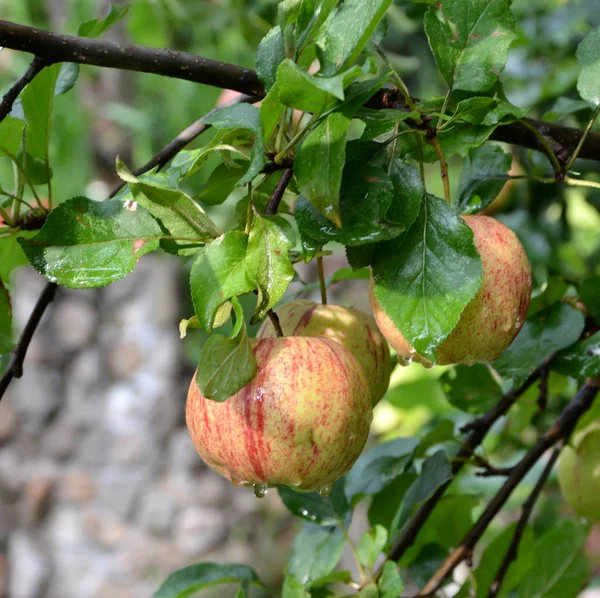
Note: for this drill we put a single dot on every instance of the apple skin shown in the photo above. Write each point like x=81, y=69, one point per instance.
x=352, y=328
x=579, y=473
x=491, y=321
x=302, y=422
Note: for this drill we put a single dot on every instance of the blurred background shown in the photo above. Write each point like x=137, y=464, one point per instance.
x=102, y=494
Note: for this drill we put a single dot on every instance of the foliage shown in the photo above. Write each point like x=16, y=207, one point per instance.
x=360, y=146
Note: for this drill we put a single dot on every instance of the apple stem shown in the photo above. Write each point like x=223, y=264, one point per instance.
x=275, y=321
x=322, y=280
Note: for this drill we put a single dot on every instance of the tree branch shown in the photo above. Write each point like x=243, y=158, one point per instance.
x=561, y=429
x=479, y=428
x=278, y=192
x=37, y=64
x=182, y=65
x=69, y=48
x=15, y=366
x=186, y=136
x=513, y=549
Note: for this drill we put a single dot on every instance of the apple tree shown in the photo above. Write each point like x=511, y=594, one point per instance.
x=465, y=189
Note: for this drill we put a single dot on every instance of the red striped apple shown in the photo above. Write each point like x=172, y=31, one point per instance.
x=352, y=328
x=491, y=321
x=579, y=473
x=302, y=422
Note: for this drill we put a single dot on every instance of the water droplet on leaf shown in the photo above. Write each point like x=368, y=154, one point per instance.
x=325, y=491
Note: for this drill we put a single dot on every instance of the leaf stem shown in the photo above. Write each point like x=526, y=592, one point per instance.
x=435, y=143
x=249, y=210
x=361, y=570
x=401, y=85
x=582, y=140
x=295, y=139
x=275, y=321
x=322, y=282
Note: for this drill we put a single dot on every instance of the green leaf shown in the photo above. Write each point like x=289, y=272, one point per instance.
x=298, y=89
x=470, y=41
x=270, y=112
x=380, y=122
x=369, y=591
x=96, y=27
x=346, y=32
x=85, y=243
x=220, y=184
x=268, y=262
x=442, y=432
x=36, y=170
x=319, y=163
x=218, y=274
x=335, y=577
x=564, y=106
x=428, y=276
x=243, y=116
x=484, y=174
x=471, y=388
x=37, y=100
x=178, y=214
x=390, y=584
x=67, y=76
x=11, y=254
x=581, y=360
x=376, y=468
x=314, y=508
x=270, y=53
x=408, y=191
x=588, y=57
x=315, y=553
x=589, y=293
x=370, y=545
x=473, y=110
x=553, y=292
x=493, y=556
x=6, y=332
x=186, y=582
x=11, y=134
x=384, y=506
x=292, y=588
x=435, y=472
x=362, y=221
x=548, y=331
x=559, y=567
x=226, y=364
x=311, y=15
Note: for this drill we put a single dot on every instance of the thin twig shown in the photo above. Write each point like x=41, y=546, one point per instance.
x=583, y=138
x=542, y=399
x=278, y=192
x=561, y=429
x=36, y=65
x=547, y=149
x=489, y=470
x=513, y=549
x=275, y=321
x=15, y=366
x=169, y=151
x=322, y=282
x=479, y=429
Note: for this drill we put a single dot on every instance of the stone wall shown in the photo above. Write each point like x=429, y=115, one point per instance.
x=102, y=494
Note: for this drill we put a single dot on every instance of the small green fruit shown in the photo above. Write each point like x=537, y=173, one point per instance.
x=579, y=473
x=352, y=328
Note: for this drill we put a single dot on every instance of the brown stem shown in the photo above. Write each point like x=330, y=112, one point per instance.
x=275, y=321
x=322, y=283
x=186, y=136
x=435, y=143
x=181, y=65
x=36, y=65
x=562, y=428
x=15, y=366
x=513, y=549
x=278, y=192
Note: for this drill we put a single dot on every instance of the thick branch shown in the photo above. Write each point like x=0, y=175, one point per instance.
x=513, y=549
x=37, y=64
x=181, y=65
x=169, y=63
x=479, y=428
x=561, y=429
x=15, y=367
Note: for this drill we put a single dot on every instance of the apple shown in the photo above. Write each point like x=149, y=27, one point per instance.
x=493, y=318
x=579, y=473
x=302, y=422
x=352, y=328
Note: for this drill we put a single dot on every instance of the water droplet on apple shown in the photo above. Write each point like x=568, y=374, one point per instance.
x=427, y=364
x=260, y=490
x=404, y=361
x=325, y=491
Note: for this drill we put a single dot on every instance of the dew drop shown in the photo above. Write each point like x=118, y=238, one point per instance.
x=427, y=364
x=260, y=490
x=325, y=491
x=405, y=361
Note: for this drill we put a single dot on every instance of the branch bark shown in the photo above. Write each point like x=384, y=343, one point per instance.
x=182, y=65
x=561, y=429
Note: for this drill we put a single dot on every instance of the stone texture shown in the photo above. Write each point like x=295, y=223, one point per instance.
x=29, y=566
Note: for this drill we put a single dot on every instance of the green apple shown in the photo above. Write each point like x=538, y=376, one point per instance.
x=491, y=321
x=579, y=473
x=302, y=422
x=352, y=328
